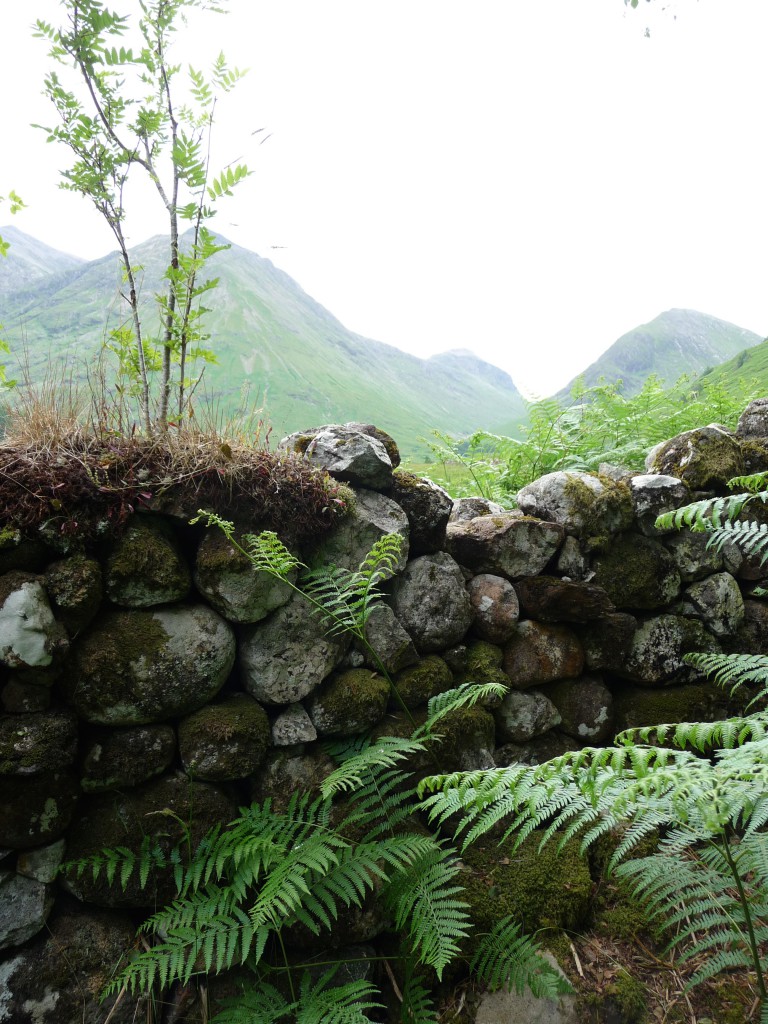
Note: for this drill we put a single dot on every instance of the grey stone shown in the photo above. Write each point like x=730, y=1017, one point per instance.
x=654, y=494
x=350, y=455
x=717, y=602
x=225, y=741
x=506, y=544
x=288, y=771
x=431, y=602
x=504, y=1007
x=29, y=634
x=388, y=640
x=572, y=562
x=36, y=810
x=465, y=509
x=145, y=567
x=753, y=422
x=658, y=646
x=137, y=667
x=24, y=907
x=349, y=702
x=292, y=727
x=585, y=707
x=551, y=599
x=231, y=585
x=521, y=716
x=582, y=504
x=535, y=751
x=75, y=587
x=373, y=516
x=285, y=657
x=608, y=641
x=703, y=458
x=428, y=508
x=637, y=572
x=693, y=558
x=43, y=863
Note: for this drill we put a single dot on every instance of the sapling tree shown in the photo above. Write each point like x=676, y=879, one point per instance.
x=129, y=112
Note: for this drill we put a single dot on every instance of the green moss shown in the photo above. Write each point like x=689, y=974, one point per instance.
x=416, y=684
x=540, y=888
x=627, y=996
x=483, y=665
x=357, y=698
x=602, y=513
x=147, y=556
x=637, y=572
x=464, y=730
x=636, y=706
x=701, y=459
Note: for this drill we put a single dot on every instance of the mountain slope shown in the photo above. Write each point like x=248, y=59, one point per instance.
x=676, y=342
x=746, y=372
x=276, y=347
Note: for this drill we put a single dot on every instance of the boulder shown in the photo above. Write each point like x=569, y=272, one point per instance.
x=24, y=907
x=753, y=422
x=483, y=663
x=585, y=706
x=372, y=516
x=551, y=599
x=428, y=508
x=752, y=635
x=512, y=1007
x=137, y=667
x=638, y=706
x=347, y=454
x=585, y=505
x=300, y=439
x=693, y=557
x=637, y=572
x=536, y=751
x=29, y=634
x=523, y=715
x=75, y=587
x=285, y=657
x=717, y=602
x=35, y=743
x=704, y=459
x=541, y=653
x=230, y=584
x=349, y=702
x=43, y=863
x=465, y=509
x=572, y=563
x=387, y=640
x=506, y=544
x=658, y=646
x=654, y=494
x=36, y=810
x=415, y=685
x=286, y=772
x=121, y=758
x=173, y=809
x=145, y=567
x=495, y=605
x=608, y=641
x=431, y=602
x=225, y=741
x=293, y=726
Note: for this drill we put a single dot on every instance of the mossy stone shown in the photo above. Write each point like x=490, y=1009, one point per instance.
x=603, y=511
x=146, y=567
x=416, y=684
x=636, y=706
x=348, y=702
x=225, y=741
x=637, y=572
x=543, y=887
x=704, y=458
x=484, y=665
x=75, y=586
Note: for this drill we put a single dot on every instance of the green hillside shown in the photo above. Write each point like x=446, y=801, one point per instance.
x=277, y=348
x=676, y=342
x=746, y=372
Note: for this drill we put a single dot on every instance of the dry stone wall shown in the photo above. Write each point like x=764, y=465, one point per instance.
x=159, y=683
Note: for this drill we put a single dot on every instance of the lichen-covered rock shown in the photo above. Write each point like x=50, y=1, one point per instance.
x=585, y=706
x=58, y=976
x=145, y=567
x=430, y=600
x=658, y=646
x=583, y=504
x=388, y=640
x=225, y=741
x=29, y=634
x=541, y=653
x=693, y=557
x=704, y=458
x=428, y=508
x=121, y=758
x=138, y=667
x=637, y=706
x=572, y=563
x=753, y=422
x=75, y=587
x=654, y=494
x=507, y=1006
x=31, y=744
x=123, y=819
x=350, y=455
x=551, y=599
x=24, y=907
x=285, y=657
x=523, y=715
x=608, y=641
x=373, y=515
x=293, y=727
x=231, y=585
x=36, y=810
x=43, y=863
x=299, y=441
x=483, y=663
x=752, y=635
x=637, y=572
x=717, y=602
x=504, y=545
x=495, y=605
x=467, y=739
x=465, y=509
x=348, y=703
x=417, y=684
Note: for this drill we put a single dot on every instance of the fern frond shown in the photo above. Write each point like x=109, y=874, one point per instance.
x=320, y=1002
x=506, y=959
x=733, y=670
x=356, y=771
x=466, y=695
x=267, y=553
x=755, y=483
x=382, y=561
x=417, y=1005
x=257, y=1004
x=425, y=904
x=706, y=515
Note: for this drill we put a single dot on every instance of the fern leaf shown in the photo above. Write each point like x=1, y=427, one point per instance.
x=321, y=1003
x=506, y=959
x=462, y=696
x=417, y=1005
x=356, y=771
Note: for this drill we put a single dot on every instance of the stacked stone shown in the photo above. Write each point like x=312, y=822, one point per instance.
x=166, y=682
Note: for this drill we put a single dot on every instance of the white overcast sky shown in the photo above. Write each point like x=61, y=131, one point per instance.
x=528, y=179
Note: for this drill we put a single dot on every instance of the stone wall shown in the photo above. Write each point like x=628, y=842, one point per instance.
x=160, y=681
